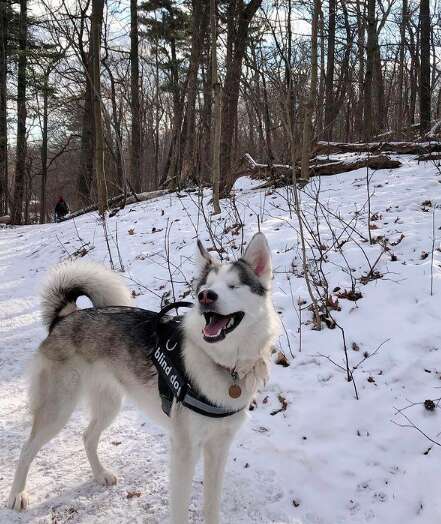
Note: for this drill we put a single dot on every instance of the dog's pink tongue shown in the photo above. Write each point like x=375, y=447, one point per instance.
x=215, y=326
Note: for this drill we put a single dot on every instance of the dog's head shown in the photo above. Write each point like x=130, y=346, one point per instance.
x=234, y=308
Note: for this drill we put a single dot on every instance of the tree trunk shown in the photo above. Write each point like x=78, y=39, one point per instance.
x=4, y=192
x=400, y=116
x=371, y=37
x=379, y=104
x=205, y=142
x=329, y=89
x=135, y=152
x=95, y=47
x=217, y=112
x=239, y=17
x=44, y=142
x=87, y=160
x=310, y=103
x=425, y=99
x=120, y=180
x=20, y=164
x=199, y=27
x=361, y=31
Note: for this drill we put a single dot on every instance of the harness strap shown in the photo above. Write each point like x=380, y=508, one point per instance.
x=173, y=382
x=173, y=305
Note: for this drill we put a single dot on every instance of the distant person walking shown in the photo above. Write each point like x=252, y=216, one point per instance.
x=61, y=209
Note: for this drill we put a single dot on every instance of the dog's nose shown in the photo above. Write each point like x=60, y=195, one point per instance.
x=207, y=296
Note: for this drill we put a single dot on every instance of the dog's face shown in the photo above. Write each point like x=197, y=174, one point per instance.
x=234, y=304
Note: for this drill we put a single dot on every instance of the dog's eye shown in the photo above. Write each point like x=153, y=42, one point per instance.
x=233, y=286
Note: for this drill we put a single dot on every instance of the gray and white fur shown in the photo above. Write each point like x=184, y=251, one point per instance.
x=103, y=353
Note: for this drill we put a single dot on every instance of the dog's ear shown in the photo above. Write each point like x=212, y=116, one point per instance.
x=203, y=256
x=258, y=256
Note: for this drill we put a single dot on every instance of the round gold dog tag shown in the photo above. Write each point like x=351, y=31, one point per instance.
x=234, y=391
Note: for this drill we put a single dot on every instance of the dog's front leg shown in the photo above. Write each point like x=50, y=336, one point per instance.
x=215, y=458
x=184, y=455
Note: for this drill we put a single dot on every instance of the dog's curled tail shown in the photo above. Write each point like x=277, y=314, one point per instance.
x=70, y=280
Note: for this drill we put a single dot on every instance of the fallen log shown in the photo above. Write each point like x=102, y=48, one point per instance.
x=429, y=156
x=400, y=148
x=281, y=174
x=373, y=162
x=115, y=201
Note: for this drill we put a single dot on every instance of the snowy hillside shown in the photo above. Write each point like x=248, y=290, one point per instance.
x=311, y=453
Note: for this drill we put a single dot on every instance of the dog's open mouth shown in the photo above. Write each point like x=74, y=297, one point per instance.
x=218, y=326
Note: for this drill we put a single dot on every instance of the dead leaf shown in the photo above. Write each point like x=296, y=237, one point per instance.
x=133, y=494
x=281, y=360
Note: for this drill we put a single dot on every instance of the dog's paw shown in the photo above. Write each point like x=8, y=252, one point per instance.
x=18, y=501
x=106, y=478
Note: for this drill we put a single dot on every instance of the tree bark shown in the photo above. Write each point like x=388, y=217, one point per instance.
x=371, y=37
x=310, y=103
x=217, y=112
x=43, y=153
x=425, y=98
x=95, y=47
x=199, y=27
x=330, y=61
x=239, y=16
x=400, y=116
x=87, y=155
x=20, y=164
x=4, y=193
x=361, y=31
x=135, y=153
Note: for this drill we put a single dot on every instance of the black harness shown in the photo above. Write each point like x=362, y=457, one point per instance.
x=173, y=382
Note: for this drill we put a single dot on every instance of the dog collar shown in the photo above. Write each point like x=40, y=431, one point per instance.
x=173, y=381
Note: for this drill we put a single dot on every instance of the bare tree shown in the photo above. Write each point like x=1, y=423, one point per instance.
x=217, y=112
x=20, y=164
x=239, y=16
x=135, y=152
x=309, y=105
x=4, y=193
x=95, y=46
x=425, y=98
x=330, y=61
x=401, y=65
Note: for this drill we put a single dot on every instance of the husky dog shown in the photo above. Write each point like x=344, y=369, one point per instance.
x=103, y=353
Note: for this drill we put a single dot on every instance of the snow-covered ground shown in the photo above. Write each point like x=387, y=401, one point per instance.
x=328, y=458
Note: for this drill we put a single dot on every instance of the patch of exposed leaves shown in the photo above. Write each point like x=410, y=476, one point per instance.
x=281, y=359
x=429, y=405
x=133, y=494
x=397, y=241
x=234, y=229
x=333, y=304
x=350, y=295
x=283, y=404
x=426, y=206
x=372, y=275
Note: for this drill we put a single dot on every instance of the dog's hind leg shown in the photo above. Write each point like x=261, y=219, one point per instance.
x=105, y=403
x=54, y=394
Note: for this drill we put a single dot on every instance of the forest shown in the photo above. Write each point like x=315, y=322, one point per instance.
x=103, y=100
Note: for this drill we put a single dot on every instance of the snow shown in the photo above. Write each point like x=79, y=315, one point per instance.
x=328, y=458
